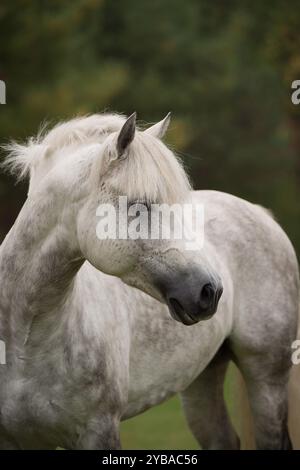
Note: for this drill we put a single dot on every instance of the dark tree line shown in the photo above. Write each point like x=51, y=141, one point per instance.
x=223, y=68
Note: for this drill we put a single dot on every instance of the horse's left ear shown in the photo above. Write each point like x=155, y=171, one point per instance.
x=126, y=134
x=159, y=129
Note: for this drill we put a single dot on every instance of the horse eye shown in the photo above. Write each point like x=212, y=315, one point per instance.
x=147, y=204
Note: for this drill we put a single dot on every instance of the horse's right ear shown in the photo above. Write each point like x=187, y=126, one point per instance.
x=158, y=130
x=126, y=135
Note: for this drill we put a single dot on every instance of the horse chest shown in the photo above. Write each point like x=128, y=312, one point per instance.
x=172, y=358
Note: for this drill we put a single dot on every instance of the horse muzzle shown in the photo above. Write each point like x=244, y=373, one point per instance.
x=190, y=303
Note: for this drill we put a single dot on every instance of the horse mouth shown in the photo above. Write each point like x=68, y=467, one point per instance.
x=179, y=314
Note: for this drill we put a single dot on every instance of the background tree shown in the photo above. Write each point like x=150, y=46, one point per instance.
x=224, y=69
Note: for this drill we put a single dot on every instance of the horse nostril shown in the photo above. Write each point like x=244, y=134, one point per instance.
x=207, y=296
x=219, y=293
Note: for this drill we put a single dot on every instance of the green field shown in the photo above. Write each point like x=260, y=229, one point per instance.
x=162, y=427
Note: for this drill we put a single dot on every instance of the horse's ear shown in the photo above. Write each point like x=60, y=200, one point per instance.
x=126, y=134
x=159, y=129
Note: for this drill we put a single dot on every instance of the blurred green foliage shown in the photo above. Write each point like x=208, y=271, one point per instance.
x=223, y=68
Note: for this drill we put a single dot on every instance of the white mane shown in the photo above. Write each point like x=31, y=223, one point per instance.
x=150, y=171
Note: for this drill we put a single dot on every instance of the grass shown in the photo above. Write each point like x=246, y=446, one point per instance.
x=163, y=427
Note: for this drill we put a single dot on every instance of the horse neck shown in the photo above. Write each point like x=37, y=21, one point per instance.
x=39, y=260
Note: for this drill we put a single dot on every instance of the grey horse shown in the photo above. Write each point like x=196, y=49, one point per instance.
x=99, y=330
